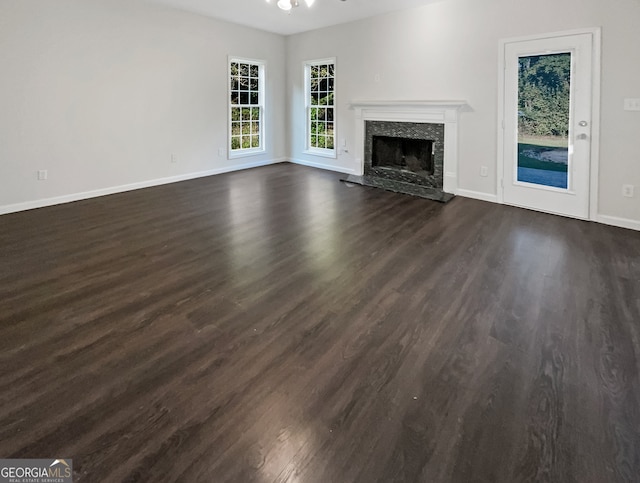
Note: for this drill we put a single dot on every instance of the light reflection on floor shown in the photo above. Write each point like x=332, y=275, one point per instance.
x=280, y=439
x=552, y=251
x=245, y=207
x=321, y=212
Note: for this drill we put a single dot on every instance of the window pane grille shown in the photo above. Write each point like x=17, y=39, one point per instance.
x=245, y=104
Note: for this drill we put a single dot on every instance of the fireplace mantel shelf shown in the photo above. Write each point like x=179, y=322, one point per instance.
x=417, y=104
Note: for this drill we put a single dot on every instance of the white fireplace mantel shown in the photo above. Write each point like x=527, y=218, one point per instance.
x=361, y=104
x=428, y=111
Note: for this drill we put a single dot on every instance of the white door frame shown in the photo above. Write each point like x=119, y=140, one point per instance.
x=595, y=111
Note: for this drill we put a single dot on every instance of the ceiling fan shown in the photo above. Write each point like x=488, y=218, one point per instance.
x=287, y=5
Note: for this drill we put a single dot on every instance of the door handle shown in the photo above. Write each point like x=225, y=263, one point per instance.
x=582, y=136
x=583, y=123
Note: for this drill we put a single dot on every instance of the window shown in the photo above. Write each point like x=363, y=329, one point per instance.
x=320, y=101
x=246, y=107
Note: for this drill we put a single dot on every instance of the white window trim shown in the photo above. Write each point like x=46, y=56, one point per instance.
x=262, y=66
x=324, y=152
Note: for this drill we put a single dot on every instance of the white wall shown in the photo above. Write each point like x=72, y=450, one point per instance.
x=449, y=50
x=101, y=92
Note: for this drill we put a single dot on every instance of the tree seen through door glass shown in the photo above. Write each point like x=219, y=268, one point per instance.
x=544, y=92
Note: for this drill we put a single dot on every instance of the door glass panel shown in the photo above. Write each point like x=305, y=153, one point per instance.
x=544, y=93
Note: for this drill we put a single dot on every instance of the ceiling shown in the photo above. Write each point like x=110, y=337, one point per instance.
x=265, y=15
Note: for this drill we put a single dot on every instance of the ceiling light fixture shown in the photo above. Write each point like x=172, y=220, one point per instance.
x=287, y=5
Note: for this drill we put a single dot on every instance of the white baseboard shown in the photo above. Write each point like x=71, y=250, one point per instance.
x=604, y=219
x=30, y=205
x=478, y=195
x=620, y=222
x=328, y=167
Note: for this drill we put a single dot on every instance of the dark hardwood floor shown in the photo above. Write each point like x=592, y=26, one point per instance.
x=276, y=325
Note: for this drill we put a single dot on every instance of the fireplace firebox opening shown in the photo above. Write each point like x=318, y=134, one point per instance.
x=404, y=154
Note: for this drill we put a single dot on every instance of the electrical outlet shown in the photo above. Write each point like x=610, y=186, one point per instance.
x=174, y=158
x=43, y=174
x=627, y=190
x=484, y=171
x=632, y=104
x=220, y=152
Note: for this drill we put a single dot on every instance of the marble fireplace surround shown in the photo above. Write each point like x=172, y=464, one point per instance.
x=422, y=111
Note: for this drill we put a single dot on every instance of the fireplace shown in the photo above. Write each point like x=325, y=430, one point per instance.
x=404, y=154
x=408, y=146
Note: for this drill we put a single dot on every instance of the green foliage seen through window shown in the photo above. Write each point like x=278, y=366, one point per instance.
x=246, y=110
x=321, y=105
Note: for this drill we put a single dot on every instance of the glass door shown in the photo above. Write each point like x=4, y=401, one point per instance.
x=547, y=123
